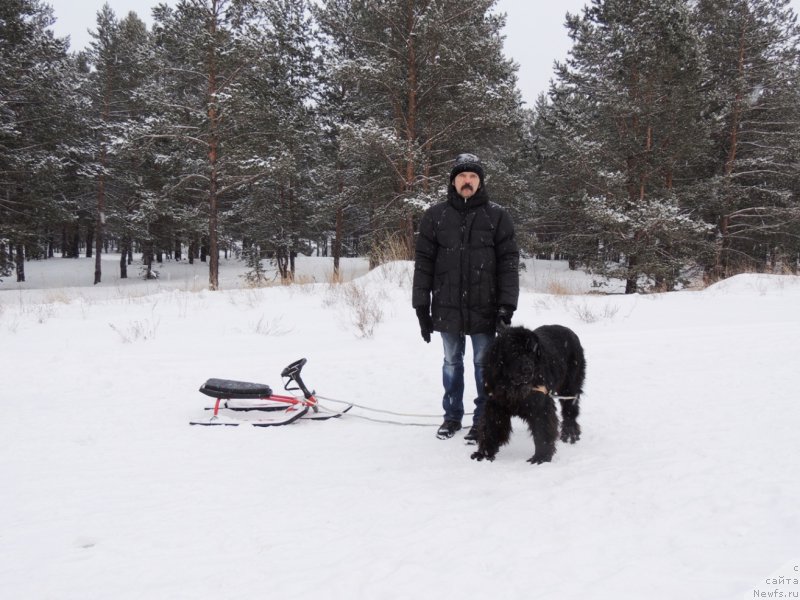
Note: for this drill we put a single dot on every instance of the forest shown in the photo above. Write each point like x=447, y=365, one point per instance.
x=666, y=149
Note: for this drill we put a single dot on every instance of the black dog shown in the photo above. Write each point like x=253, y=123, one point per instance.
x=523, y=371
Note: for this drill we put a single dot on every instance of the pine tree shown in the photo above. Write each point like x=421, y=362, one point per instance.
x=412, y=83
x=623, y=137
x=752, y=92
x=35, y=116
x=118, y=54
x=277, y=95
x=204, y=49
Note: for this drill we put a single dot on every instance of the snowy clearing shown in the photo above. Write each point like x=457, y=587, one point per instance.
x=685, y=484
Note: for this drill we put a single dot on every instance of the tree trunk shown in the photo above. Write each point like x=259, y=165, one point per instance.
x=213, y=149
x=721, y=266
x=101, y=193
x=101, y=220
x=89, y=239
x=123, y=255
x=411, y=98
x=147, y=259
x=337, y=241
x=293, y=237
x=282, y=262
x=409, y=237
x=633, y=276
x=19, y=258
x=723, y=247
x=75, y=250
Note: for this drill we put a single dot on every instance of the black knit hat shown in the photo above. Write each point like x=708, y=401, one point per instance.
x=466, y=162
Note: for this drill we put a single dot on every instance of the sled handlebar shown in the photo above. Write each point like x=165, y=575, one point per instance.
x=292, y=373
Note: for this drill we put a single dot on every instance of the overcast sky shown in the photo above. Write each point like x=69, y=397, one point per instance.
x=535, y=34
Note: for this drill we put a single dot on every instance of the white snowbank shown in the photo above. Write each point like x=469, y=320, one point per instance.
x=685, y=484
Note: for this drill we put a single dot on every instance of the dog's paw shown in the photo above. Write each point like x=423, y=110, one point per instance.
x=480, y=456
x=570, y=433
x=538, y=459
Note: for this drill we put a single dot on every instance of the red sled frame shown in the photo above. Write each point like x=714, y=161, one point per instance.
x=224, y=390
x=292, y=401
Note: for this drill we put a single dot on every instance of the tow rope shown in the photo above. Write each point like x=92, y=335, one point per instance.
x=542, y=389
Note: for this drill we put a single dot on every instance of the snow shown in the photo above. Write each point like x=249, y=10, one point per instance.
x=684, y=485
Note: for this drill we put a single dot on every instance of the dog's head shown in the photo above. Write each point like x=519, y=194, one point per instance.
x=514, y=359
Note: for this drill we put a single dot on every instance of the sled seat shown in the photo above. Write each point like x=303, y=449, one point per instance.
x=227, y=389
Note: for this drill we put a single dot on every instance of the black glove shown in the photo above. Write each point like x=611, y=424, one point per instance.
x=425, y=323
x=504, y=314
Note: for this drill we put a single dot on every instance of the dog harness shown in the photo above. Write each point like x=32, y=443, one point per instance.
x=543, y=390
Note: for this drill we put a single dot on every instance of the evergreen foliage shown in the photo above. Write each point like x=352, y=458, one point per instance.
x=37, y=107
x=119, y=56
x=410, y=84
x=628, y=104
x=668, y=144
x=753, y=90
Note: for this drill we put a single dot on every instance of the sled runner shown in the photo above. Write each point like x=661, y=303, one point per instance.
x=241, y=399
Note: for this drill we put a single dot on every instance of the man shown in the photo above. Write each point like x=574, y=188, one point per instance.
x=466, y=282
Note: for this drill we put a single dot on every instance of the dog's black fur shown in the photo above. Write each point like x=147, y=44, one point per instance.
x=520, y=360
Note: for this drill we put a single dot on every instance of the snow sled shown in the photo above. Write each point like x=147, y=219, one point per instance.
x=237, y=402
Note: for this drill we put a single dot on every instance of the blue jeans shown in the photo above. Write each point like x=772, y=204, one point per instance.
x=453, y=373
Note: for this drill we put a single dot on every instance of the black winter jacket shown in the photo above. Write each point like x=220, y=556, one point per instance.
x=466, y=263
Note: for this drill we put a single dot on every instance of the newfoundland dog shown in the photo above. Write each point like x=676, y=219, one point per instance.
x=524, y=372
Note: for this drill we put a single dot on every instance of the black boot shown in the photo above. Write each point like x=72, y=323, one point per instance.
x=472, y=436
x=448, y=429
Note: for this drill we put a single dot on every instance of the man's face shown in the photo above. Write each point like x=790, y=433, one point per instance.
x=467, y=183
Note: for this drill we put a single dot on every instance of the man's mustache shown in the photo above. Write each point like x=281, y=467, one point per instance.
x=467, y=185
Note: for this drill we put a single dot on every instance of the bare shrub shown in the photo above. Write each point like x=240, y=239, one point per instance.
x=557, y=288
x=44, y=312
x=12, y=325
x=247, y=296
x=390, y=249
x=254, y=282
x=304, y=284
x=588, y=315
x=57, y=296
x=335, y=277
x=270, y=327
x=137, y=330
x=364, y=308
x=304, y=279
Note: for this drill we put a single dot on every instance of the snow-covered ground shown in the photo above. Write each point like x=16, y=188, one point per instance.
x=686, y=483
